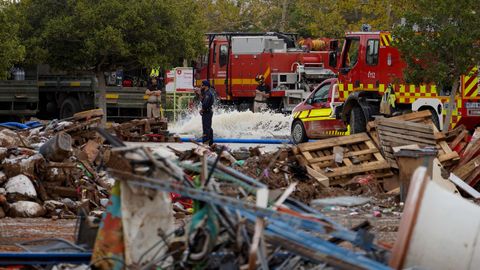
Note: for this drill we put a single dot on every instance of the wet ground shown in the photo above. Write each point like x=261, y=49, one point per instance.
x=15, y=230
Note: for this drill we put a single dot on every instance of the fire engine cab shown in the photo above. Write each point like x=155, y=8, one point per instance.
x=235, y=59
x=370, y=79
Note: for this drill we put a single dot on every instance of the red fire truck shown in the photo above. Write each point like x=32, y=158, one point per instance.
x=235, y=59
x=369, y=68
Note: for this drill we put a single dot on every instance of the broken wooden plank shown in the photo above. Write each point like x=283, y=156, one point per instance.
x=331, y=142
x=322, y=179
x=404, y=125
x=414, y=116
x=370, y=166
x=464, y=171
x=458, y=139
x=448, y=156
x=464, y=186
x=425, y=135
x=403, y=136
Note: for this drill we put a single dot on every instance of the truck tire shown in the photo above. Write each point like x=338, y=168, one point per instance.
x=358, y=123
x=69, y=107
x=298, y=132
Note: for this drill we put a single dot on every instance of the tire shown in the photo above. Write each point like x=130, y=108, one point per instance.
x=69, y=107
x=298, y=132
x=358, y=123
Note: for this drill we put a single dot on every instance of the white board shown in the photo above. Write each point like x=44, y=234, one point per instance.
x=183, y=79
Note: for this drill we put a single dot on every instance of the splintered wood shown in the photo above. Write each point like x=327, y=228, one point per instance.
x=356, y=154
x=468, y=169
x=410, y=129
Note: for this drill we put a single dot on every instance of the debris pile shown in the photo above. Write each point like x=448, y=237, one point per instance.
x=237, y=222
x=145, y=130
x=54, y=170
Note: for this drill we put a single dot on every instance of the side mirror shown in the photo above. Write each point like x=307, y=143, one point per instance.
x=309, y=101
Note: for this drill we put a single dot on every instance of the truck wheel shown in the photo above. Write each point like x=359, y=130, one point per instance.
x=358, y=123
x=298, y=132
x=69, y=107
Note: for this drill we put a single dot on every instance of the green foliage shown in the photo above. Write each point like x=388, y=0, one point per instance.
x=103, y=34
x=440, y=40
x=11, y=50
x=324, y=18
x=241, y=15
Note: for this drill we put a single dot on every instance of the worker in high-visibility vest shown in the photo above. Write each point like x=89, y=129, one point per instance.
x=153, y=101
x=154, y=85
x=155, y=73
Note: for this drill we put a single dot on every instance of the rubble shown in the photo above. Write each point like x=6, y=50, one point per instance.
x=9, y=138
x=20, y=187
x=145, y=130
x=54, y=169
x=228, y=224
x=26, y=209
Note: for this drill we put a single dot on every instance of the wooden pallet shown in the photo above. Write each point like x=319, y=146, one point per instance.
x=360, y=156
x=413, y=128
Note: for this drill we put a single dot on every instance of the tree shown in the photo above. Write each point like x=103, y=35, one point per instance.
x=440, y=41
x=11, y=50
x=97, y=35
x=242, y=15
x=101, y=35
x=323, y=18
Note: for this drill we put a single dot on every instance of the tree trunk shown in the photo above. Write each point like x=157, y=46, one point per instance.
x=100, y=89
x=283, y=22
x=451, y=105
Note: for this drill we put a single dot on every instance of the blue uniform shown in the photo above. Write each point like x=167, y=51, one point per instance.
x=207, y=115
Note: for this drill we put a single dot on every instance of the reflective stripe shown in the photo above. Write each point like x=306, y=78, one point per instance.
x=470, y=82
x=155, y=72
x=385, y=39
x=112, y=96
x=320, y=112
x=303, y=114
x=316, y=118
x=266, y=73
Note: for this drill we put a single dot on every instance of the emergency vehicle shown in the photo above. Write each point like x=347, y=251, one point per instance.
x=235, y=59
x=369, y=69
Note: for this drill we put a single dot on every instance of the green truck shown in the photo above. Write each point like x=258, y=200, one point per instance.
x=18, y=99
x=60, y=96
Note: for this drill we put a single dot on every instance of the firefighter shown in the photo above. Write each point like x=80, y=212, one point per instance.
x=153, y=101
x=262, y=92
x=207, y=98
